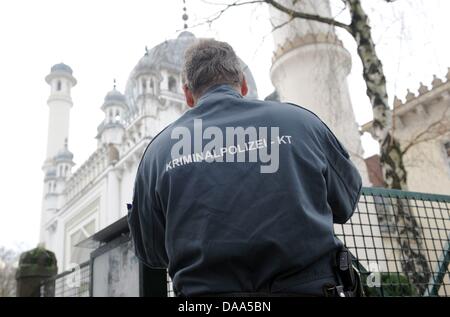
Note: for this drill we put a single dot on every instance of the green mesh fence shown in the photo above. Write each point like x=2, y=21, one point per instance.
x=400, y=242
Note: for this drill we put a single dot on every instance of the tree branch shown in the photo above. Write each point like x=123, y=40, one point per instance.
x=292, y=13
x=218, y=14
x=279, y=26
x=307, y=16
x=441, y=125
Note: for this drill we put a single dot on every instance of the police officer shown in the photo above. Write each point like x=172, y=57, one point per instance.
x=238, y=196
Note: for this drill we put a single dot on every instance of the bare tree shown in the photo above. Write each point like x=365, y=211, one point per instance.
x=8, y=260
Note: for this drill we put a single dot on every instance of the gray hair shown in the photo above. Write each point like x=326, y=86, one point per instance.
x=209, y=62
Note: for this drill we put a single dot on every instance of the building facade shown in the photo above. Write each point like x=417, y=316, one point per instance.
x=422, y=125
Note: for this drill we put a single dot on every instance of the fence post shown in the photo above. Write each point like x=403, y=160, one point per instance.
x=437, y=279
x=36, y=266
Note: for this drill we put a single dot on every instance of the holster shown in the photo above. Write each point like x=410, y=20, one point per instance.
x=349, y=281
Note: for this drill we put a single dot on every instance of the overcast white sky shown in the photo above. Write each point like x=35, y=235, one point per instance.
x=104, y=39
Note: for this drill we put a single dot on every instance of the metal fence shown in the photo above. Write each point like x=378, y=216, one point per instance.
x=73, y=283
x=400, y=243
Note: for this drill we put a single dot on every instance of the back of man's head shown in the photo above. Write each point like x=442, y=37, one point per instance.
x=209, y=62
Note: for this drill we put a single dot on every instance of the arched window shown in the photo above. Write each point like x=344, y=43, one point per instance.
x=58, y=85
x=152, y=86
x=144, y=85
x=172, y=84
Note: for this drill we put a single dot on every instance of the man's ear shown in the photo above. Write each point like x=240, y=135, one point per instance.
x=189, y=96
x=244, y=87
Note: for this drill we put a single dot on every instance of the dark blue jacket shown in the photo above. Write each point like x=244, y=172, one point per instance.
x=224, y=226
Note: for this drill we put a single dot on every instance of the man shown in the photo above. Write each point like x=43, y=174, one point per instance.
x=239, y=197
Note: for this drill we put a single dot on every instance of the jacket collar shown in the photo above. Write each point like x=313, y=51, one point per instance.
x=219, y=89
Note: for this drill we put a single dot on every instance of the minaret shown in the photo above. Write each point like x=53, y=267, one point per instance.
x=310, y=68
x=112, y=130
x=61, y=82
x=58, y=162
x=111, y=134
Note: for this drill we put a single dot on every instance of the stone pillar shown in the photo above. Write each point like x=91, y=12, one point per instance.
x=35, y=266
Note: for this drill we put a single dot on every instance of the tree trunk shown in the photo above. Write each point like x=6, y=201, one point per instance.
x=391, y=154
x=409, y=237
x=409, y=234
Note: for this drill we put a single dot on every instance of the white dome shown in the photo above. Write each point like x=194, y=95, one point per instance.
x=113, y=97
x=169, y=56
x=61, y=67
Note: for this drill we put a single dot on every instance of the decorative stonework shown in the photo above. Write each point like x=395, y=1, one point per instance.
x=410, y=96
x=397, y=102
x=425, y=92
x=436, y=82
x=87, y=172
x=307, y=39
x=423, y=89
